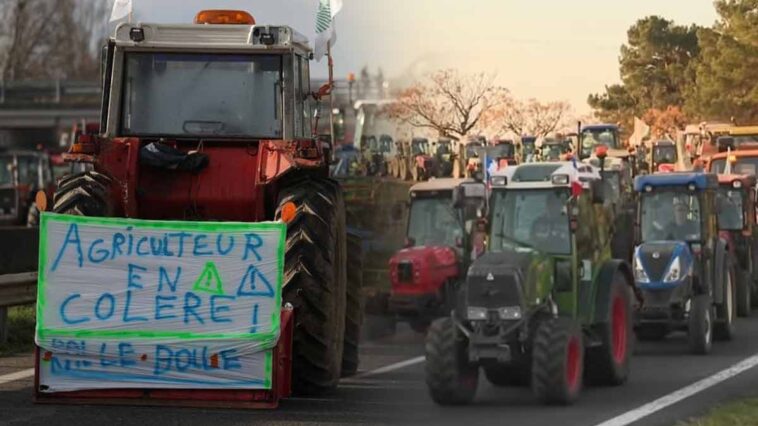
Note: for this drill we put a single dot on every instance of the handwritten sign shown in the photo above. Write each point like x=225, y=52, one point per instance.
x=128, y=303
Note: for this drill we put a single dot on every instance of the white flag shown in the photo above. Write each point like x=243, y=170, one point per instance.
x=325, y=33
x=121, y=9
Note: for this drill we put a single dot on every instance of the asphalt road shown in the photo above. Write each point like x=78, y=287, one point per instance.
x=399, y=396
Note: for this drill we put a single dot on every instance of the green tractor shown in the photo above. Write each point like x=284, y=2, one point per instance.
x=546, y=305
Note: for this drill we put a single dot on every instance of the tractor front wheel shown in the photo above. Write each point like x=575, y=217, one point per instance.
x=451, y=379
x=557, y=361
x=84, y=194
x=315, y=278
x=700, y=330
x=744, y=293
x=608, y=364
x=723, y=329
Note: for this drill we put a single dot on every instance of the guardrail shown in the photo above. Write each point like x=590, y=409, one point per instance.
x=15, y=290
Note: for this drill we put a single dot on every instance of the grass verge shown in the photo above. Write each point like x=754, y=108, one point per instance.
x=739, y=413
x=21, y=320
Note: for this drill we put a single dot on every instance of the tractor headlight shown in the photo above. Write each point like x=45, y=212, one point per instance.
x=639, y=271
x=476, y=314
x=674, y=272
x=509, y=313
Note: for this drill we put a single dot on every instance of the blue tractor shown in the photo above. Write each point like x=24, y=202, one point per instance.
x=682, y=267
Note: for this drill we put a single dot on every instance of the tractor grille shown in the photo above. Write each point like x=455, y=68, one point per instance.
x=503, y=290
x=655, y=265
x=7, y=202
x=405, y=272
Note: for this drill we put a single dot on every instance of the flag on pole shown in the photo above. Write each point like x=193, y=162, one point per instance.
x=325, y=33
x=121, y=9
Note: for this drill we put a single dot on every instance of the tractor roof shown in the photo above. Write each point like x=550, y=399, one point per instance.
x=744, y=131
x=747, y=180
x=542, y=175
x=223, y=37
x=700, y=180
x=664, y=142
x=441, y=184
x=600, y=127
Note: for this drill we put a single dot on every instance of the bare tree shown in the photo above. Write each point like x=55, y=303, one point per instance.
x=449, y=103
x=530, y=117
x=41, y=39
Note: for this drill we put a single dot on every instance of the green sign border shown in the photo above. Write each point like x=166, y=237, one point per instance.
x=43, y=332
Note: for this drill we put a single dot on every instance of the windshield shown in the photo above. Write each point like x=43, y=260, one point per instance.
x=504, y=150
x=178, y=94
x=670, y=216
x=664, y=154
x=443, y=148
x=28, y=170
x=531, y=219
x=743, y=166
x=419, y=147
x=6, y=170
x=729, y=207
x=433, y=222
x=473, y=149
x=611, y=185
x=594, y=137
x=738, y=140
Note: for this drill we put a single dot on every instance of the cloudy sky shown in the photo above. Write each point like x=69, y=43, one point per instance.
x=548, y=49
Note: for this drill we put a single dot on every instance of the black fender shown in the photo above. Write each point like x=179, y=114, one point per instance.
x=722, y=255
x=603, y=289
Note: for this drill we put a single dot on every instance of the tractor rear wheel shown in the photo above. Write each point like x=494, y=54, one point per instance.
x=451, y=379
x=723, y=328
x=84, y=194
x=354, y=307
x=557, y=361
x=608, y=364
x=700, y=330
x=508, y=375
x=32, y=218
x=744, y=292
x=315, y=282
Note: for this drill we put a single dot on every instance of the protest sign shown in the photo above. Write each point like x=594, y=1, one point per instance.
x=128, y=303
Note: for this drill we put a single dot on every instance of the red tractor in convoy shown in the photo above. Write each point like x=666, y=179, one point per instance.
x=736, y=204
x=443, y=227
x=214, y=122
x=22, y=175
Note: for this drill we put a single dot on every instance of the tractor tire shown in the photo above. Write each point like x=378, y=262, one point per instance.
x=354, y=307
x=723, y=327
x=608, y=364
x=32, y=218
x=700, y=330
x=651, y=332
x=451, y=379
x=744, y=293
x=84, y=194
x=315, y=282
x=557, y=361
x=508, y=375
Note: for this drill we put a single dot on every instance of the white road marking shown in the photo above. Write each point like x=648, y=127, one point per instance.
x=683, y=393
x=23, y=374
x=387, y=368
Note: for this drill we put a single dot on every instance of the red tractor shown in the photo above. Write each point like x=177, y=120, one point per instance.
x=213, y=122
x=22, y=175
x=441, y=236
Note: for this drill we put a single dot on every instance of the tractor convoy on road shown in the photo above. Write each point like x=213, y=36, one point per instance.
x=535, y=260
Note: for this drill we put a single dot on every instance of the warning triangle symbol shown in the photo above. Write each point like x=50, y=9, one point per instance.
x=209, y=281
x=254, y=283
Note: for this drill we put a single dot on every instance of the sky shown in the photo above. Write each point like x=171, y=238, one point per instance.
x=544, y=49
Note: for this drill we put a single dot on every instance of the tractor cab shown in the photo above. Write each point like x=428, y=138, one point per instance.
x=473, y=155
x=600, y=134
x=735, y=204
x=681, y=265
x=504, y=151
x=528, y=149
x=663, y=156
x=555, y=149
x=445, y=157
x=22, y=175
x=442, y=230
